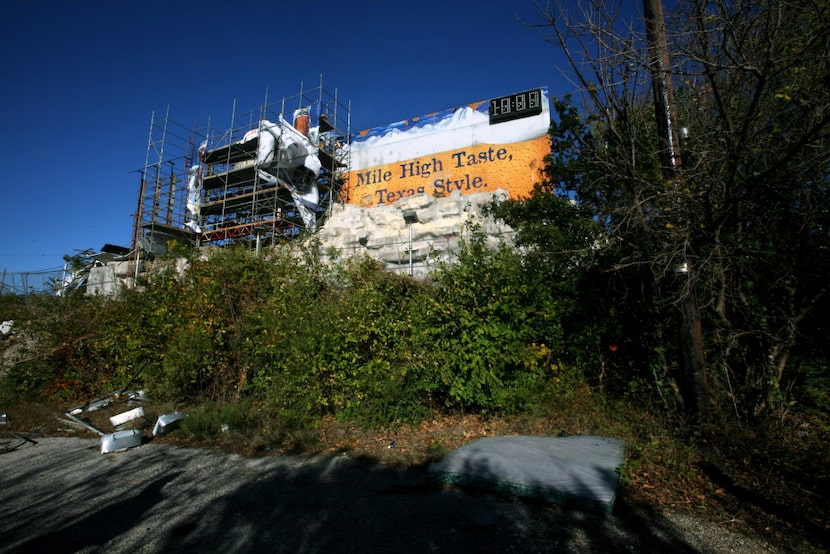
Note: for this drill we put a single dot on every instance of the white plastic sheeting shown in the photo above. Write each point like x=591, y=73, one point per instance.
x=194, y=193
x=194, y=197
x=286, y=157
x=6, y=327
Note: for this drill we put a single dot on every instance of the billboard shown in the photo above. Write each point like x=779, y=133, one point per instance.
x=481, y=147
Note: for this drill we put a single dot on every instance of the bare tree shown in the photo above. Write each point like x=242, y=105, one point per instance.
x=724, y=194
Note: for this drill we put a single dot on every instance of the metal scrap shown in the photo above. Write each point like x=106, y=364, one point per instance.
x=82, y=423
x=124, y=439
x=119, y=440
x=4, y=420
x=166, y=422
x=4, y=445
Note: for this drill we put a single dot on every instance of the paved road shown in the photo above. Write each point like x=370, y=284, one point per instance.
x=63, y=495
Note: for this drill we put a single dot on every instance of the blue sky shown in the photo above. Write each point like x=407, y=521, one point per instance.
x=82, y=78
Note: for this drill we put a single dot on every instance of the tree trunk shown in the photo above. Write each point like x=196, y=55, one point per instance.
x=696, y=394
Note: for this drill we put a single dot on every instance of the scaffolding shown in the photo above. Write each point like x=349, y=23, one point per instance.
x=274, y=174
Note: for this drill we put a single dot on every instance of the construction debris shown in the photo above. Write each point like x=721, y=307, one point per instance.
x=5, y=445
x=120, y=440
x=167, y=422
x=78, y=422
x=124, y=417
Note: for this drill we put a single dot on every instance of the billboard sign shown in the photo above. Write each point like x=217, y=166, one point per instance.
x=482, y=147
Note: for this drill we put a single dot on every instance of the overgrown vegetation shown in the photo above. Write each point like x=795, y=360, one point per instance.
x=725, y=240
x=283, y=353
x=575, y=330
x=350, y=341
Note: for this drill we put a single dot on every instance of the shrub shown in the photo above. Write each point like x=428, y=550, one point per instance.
x=482, y=329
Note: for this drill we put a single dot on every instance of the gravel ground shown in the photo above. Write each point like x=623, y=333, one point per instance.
x=62, y=495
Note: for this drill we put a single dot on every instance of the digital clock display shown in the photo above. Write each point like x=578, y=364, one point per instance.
x=515, y=106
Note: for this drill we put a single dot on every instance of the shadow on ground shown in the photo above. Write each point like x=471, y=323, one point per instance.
x=797, y=519
x=62, y=495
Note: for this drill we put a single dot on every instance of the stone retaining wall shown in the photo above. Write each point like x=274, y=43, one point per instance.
x=379, y=231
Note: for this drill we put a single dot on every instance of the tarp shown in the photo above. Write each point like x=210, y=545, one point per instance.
x=580, y=471
x=285, y=156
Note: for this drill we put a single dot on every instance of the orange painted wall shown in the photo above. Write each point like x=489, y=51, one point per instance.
x=513, y=167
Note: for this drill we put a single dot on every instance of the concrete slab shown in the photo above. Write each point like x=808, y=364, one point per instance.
x=581, y=471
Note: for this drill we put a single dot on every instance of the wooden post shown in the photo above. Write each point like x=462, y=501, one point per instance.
x=695, y=393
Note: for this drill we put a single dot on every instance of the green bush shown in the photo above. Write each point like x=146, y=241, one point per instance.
x=481, y=330
x=211, y=420
x=308, y=339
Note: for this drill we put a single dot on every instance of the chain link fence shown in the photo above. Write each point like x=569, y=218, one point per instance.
x=49, y=281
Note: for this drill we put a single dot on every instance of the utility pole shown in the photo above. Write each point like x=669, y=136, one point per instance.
x=695, y=390
x=658, y=58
